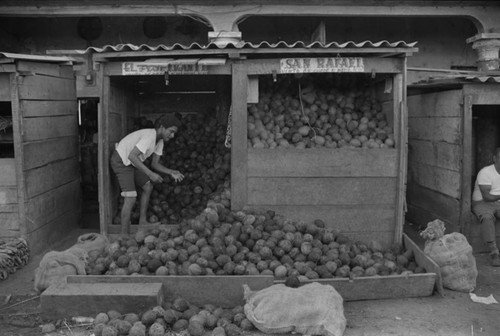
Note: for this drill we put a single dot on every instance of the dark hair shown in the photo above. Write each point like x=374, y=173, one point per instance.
x=167, y=120
x=497, y=151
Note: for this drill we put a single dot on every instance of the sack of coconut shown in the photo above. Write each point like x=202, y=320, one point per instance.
x=94, y=243
x=453, y=254
x=313, y=309
x=56, y=265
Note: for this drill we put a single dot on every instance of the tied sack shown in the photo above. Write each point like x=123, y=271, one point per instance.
x=94, y=243
x=56, y=265
x=312, y=309
x=453, y=254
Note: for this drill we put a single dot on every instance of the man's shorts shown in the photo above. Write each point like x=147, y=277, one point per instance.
x=128, y=176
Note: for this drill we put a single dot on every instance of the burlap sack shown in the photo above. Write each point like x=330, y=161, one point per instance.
x=94, y=243
x=313, y=309
x=56, y=265
x=453, y=254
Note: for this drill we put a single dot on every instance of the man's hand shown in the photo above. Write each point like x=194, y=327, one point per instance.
x=155, y=178
x=177, y=176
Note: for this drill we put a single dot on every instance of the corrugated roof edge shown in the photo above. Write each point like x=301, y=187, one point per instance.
x=248, y=45
x=29, y=57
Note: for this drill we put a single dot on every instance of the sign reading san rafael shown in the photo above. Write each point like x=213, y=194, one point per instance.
x=322, y=64
x=147, y=68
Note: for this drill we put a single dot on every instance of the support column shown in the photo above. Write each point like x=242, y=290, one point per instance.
x=487, y=46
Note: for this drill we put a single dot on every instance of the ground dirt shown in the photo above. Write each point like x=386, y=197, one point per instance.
x=453, y=314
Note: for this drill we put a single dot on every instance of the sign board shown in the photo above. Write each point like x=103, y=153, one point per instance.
x=174, y=68
x=322, y=64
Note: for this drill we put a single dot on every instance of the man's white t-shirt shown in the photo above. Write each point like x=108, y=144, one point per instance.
x=144, y=140
x=487, y=176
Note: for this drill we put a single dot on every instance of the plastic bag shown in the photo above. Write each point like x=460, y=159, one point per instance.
x=453, y=254
x=313, y=309
x=56, y=265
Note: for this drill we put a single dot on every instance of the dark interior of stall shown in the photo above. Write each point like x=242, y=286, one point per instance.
x=87, y=124
x=6, y=132
x=198, y=150
x=485, y=136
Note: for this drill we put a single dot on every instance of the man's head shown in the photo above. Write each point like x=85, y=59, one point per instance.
x=166, y=126
x=496, y=157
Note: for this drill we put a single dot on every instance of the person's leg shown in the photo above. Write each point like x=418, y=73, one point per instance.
x=146, y=193
x=125, y=176
x=128, y=204
x=485, y=211
x=142, y=180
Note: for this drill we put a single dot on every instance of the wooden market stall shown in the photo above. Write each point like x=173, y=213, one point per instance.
x=453, y=131
x=39, y=169
x=358, y=191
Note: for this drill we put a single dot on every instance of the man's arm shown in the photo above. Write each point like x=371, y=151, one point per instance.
x=157, y=166
x=485, y=191
x=134, y=158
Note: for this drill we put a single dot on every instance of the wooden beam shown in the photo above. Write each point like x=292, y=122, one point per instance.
x=18, y=129
x=322, y=162
x=466, y=168
x=222, y=291
x=424, y=261
x=374, y=52
x=239, y=155
x=102, y=148
x=65, y=300
x=321, y=191
x=401, y=124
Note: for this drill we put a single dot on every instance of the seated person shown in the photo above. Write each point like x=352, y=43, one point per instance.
x=486, y=203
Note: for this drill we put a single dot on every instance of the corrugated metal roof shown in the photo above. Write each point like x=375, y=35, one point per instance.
x=44, y=58
x=454, y=80
x=249, y=45
x=484, y=79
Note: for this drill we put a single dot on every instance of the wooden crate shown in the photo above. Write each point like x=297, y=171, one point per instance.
x=227, y=291
x=39, y=187
x=359, y=192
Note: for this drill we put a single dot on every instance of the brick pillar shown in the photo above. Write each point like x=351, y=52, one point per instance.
x=487, y=46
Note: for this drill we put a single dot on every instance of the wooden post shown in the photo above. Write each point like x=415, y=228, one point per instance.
x=400, y=123
x=466, y=169
x=239, y=153
x=17, y=128
x=103, y=160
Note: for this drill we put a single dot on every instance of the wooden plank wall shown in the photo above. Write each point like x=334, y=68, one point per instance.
x=435, y=127
x=353, y=190
x=49, y=152
x=5, y=85
x=9, y=207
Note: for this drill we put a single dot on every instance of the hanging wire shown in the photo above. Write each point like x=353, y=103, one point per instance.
x=302, y=110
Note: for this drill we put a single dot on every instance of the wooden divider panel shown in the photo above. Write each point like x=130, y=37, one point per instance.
x=321, y=191
x=435, y=157
x=322, y=163
x=49, y=151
